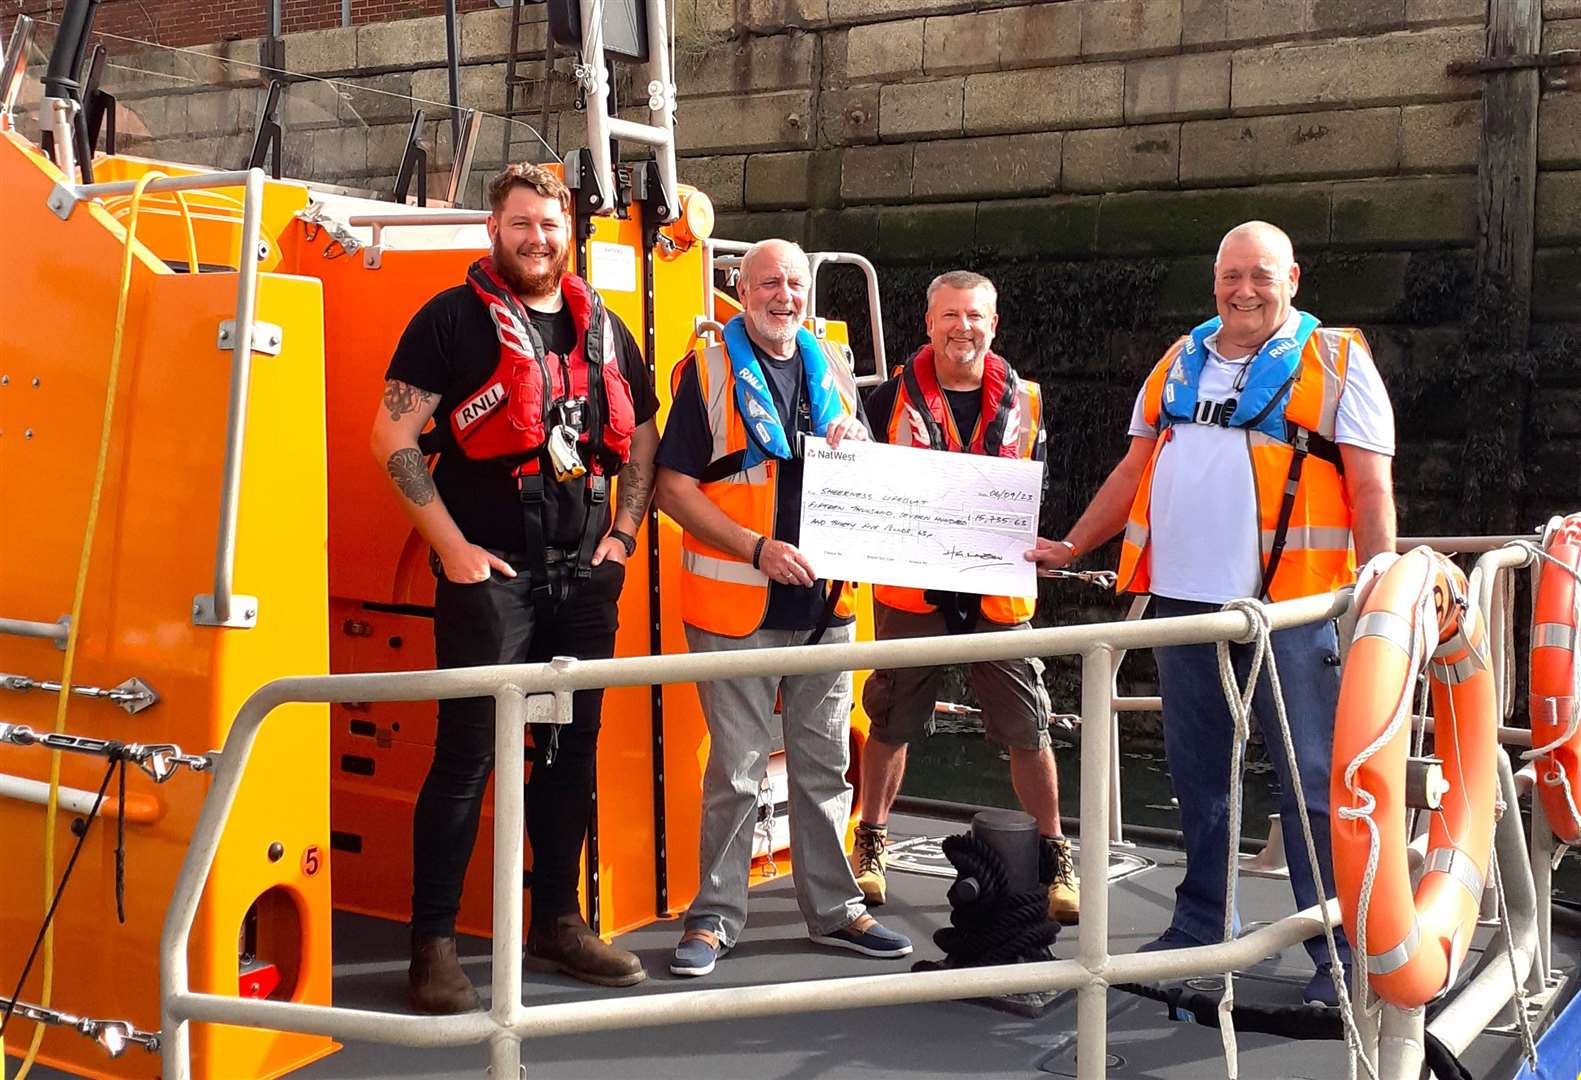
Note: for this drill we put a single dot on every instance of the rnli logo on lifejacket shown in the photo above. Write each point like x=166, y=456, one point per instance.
x=1280, y=349
x=511, y=332
x=756, y=411
x=748, y=376
x=479, y=406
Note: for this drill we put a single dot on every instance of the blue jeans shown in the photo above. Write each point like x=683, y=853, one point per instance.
x=1198, y=735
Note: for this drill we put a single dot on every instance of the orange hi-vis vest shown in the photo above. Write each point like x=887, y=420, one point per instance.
x=721, y=592
x=1009, y=425
x=1299, y=478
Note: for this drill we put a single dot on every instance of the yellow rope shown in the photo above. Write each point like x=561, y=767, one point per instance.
x=75, y=626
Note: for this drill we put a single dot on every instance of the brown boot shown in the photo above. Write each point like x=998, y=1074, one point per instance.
x=1057, y=869
x=435, y=980
x=566, y=944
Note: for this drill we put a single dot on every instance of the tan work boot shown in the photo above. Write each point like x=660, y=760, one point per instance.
x=868, y=861
x=568, y=945
x=435, y=981
x=1057, y=868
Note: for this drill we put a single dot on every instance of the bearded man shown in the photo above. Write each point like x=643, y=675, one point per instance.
x=540, y=398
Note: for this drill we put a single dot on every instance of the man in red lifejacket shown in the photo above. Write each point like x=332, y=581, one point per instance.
x=540, y=399
x=1259, y=466
x=957, y=394
x=730, y=474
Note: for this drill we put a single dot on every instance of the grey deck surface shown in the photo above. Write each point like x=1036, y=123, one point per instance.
x=957, y=1040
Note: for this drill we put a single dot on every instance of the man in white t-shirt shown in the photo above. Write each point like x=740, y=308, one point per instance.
x=1259, y=466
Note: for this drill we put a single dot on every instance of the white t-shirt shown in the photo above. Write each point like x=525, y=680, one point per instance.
x=1206, y=539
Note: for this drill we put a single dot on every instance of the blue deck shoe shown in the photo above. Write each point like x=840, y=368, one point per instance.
x=1171, y=939
x=1320, y=988
x=696, y=953
x=866, y=936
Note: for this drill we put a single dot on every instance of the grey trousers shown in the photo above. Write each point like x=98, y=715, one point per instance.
x=816, y=710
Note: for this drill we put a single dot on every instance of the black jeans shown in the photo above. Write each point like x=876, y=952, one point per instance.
x=495, y=622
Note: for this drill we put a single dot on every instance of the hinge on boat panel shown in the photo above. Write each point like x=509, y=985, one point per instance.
x=244, y=612
x=62, y=200
x=267, y=337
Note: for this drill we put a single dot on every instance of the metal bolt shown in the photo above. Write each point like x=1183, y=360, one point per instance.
x=263, y=250
x=35, y=380
x=5, y=380
x=28, y=434
x=251, y=613
x=276, y=851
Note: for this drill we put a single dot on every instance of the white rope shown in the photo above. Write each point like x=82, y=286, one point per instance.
x=1554, y=775
x=1240, y=706
x=1522, y=1019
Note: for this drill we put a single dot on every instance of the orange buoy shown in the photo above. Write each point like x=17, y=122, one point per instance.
x=1556, y=739
x=1413, y=613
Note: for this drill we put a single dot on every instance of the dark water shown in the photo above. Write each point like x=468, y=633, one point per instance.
x=965, y=767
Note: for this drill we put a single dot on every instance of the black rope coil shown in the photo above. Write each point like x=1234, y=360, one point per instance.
x=998, y=927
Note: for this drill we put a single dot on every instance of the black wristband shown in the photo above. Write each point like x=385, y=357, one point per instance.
x=627, y=541
x=757, y=553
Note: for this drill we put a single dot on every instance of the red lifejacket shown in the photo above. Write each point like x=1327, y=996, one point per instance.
x=510, y=414
x=922, y=417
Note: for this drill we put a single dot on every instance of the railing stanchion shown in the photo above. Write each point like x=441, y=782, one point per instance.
x=510, y=764
x=1092, y=1000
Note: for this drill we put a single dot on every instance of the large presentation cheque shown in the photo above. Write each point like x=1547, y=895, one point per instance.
x=896, y=515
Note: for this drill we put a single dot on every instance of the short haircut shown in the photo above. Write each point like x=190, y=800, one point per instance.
x=962, y=279
x=752, y=253
x=527, y=175
x=1272, y=237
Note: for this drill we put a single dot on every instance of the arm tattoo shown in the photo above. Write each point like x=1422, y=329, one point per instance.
x=403, y=399
x=635, y=488
x=410, y=474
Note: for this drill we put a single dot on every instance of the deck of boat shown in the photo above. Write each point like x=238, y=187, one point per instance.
x=920, y=1042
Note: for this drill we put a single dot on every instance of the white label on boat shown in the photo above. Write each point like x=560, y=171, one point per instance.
x=613, y=266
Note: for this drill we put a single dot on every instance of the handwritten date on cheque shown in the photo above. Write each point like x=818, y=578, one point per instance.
x=895, y=515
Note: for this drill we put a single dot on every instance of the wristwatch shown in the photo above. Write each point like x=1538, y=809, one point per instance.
x=627, y=541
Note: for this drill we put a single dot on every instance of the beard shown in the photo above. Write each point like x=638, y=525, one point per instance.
x=510, y=266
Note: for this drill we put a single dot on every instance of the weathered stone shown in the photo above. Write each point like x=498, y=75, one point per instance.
x=911, y=110
x=1366, y=71
x=1563, y=408
x=877, y=173
x=922, y=232
x=218, y=111
x=1565, y=34
x=888, y=50
x=851, y=229
x=389, y=97
x=486, y=34
x=337, y=152
x=793, y=180
x=1559, y=131
x=1186, y=291
x=1354, y=16
x=1418, y=12
x=1025, y=228
x=309, y=104
x=781, y=62
x=386, y=147
x=321, y=52
x=404, y=44
x=1129, y=27
x=1418, y=211
x=1561, y=9
x=845, y=11
x=1358, y=287
x=707, y=19
x=770, y=225
x=970, y=42
x=1085, y=95
x=997, y=165
x=1119, y=159
x=1177, y=87
x=1193, y=222
x=1558, y=195
x=1441, y=138
x=751, y=122
x=1362, y=142
x=721, y=178
x=477, y=87
x=1213, y=22
x=846, y=117
x=1039, y=33
x=771, y=16
x=152, y=117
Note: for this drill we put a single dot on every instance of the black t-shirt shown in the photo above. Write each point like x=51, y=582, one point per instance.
x=965, y=405
x=450, y=348
x=688, y=447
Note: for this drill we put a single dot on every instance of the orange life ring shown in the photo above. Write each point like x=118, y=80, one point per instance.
x=1414, y=944
x=1556, y=747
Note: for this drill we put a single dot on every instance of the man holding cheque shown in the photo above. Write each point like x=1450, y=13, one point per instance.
x=957, y=395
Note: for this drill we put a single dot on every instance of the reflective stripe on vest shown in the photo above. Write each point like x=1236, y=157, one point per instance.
x=903, y=431
x=1318, y=555
x=721, y=592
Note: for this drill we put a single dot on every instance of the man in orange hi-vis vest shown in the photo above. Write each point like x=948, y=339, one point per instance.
x=1259, y=466
x=956, y=394
x=730, y=474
